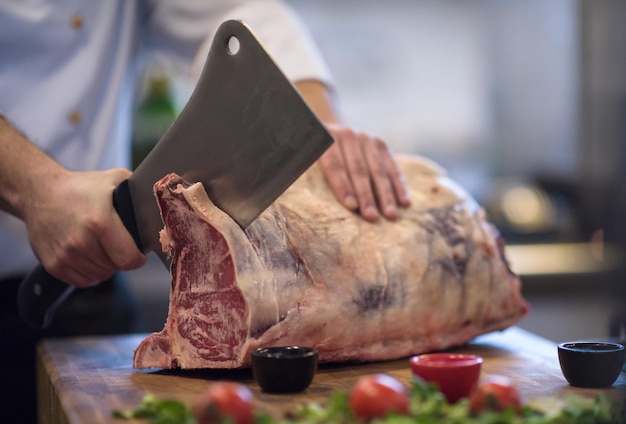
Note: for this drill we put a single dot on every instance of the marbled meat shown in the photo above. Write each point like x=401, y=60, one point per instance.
x=309, y=272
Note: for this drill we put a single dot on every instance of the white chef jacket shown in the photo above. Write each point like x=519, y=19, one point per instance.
x=67, y=70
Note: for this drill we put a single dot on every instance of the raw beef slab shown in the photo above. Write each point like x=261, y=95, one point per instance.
x=309, y=272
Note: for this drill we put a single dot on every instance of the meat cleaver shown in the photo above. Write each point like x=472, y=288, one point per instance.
x=245, y=133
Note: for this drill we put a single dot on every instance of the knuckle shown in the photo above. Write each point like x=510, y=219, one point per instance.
x=94, y=223
x=362, y=135
x=361, y=169
x=61, y=259
x=75, y=244
x=332, y=162
x=381, y=146
x=338, y=132
x=346, y=132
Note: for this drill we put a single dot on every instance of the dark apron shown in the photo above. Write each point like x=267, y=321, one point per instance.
x=108, y=308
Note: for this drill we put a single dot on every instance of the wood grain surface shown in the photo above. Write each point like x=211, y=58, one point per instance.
x=83, y=380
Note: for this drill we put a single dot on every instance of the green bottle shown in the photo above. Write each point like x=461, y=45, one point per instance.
x=152, y=117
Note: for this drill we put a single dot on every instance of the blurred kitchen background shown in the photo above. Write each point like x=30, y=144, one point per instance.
x=524, y=103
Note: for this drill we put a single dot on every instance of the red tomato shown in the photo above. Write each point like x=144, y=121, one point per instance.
x=376, y=395
x=225, y=400
x=497, y=393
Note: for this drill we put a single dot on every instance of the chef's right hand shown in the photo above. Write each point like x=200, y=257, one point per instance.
x=74, y=230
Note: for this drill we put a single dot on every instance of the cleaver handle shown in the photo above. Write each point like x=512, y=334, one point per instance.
x=123, y=203
x=40, y=294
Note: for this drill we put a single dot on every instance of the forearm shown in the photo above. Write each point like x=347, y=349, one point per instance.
x=24, y=168
x=72, y=226
x=320, y=100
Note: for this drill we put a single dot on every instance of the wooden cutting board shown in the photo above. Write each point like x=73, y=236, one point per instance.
x=83, y=380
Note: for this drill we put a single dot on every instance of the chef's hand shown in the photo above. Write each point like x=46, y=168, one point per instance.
x=363, y=174
x=359, y=168
x=74, y=230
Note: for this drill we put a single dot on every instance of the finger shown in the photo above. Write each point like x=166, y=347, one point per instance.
x=397, y=179
x=118, y=174
x=76, y=269
x=114, y=240
x=82, y=280
x=73, y=259
x=374, y=151
x=358, y=170
x=334, y=168
x=77, y=279
x=120, y=248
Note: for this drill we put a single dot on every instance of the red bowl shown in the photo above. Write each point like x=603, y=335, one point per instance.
x=456, y=374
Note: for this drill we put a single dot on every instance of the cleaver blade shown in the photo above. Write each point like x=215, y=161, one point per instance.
x=245, y=133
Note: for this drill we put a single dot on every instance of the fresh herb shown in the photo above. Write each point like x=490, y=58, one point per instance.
x=428, y=406
x=159, y=411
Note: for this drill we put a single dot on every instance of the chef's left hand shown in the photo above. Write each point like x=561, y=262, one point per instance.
x=363, y=174
x=359, y=168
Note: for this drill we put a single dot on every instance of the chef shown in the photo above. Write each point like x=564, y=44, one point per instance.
x=67, y=69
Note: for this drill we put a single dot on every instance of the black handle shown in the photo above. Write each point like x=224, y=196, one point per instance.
x=40, y=294
x=123, y=203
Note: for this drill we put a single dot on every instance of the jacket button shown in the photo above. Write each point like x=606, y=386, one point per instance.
x=77, y=21
x=75, y=117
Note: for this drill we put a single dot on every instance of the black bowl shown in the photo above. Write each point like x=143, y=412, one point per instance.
x=591, y=364
x=284, y=369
